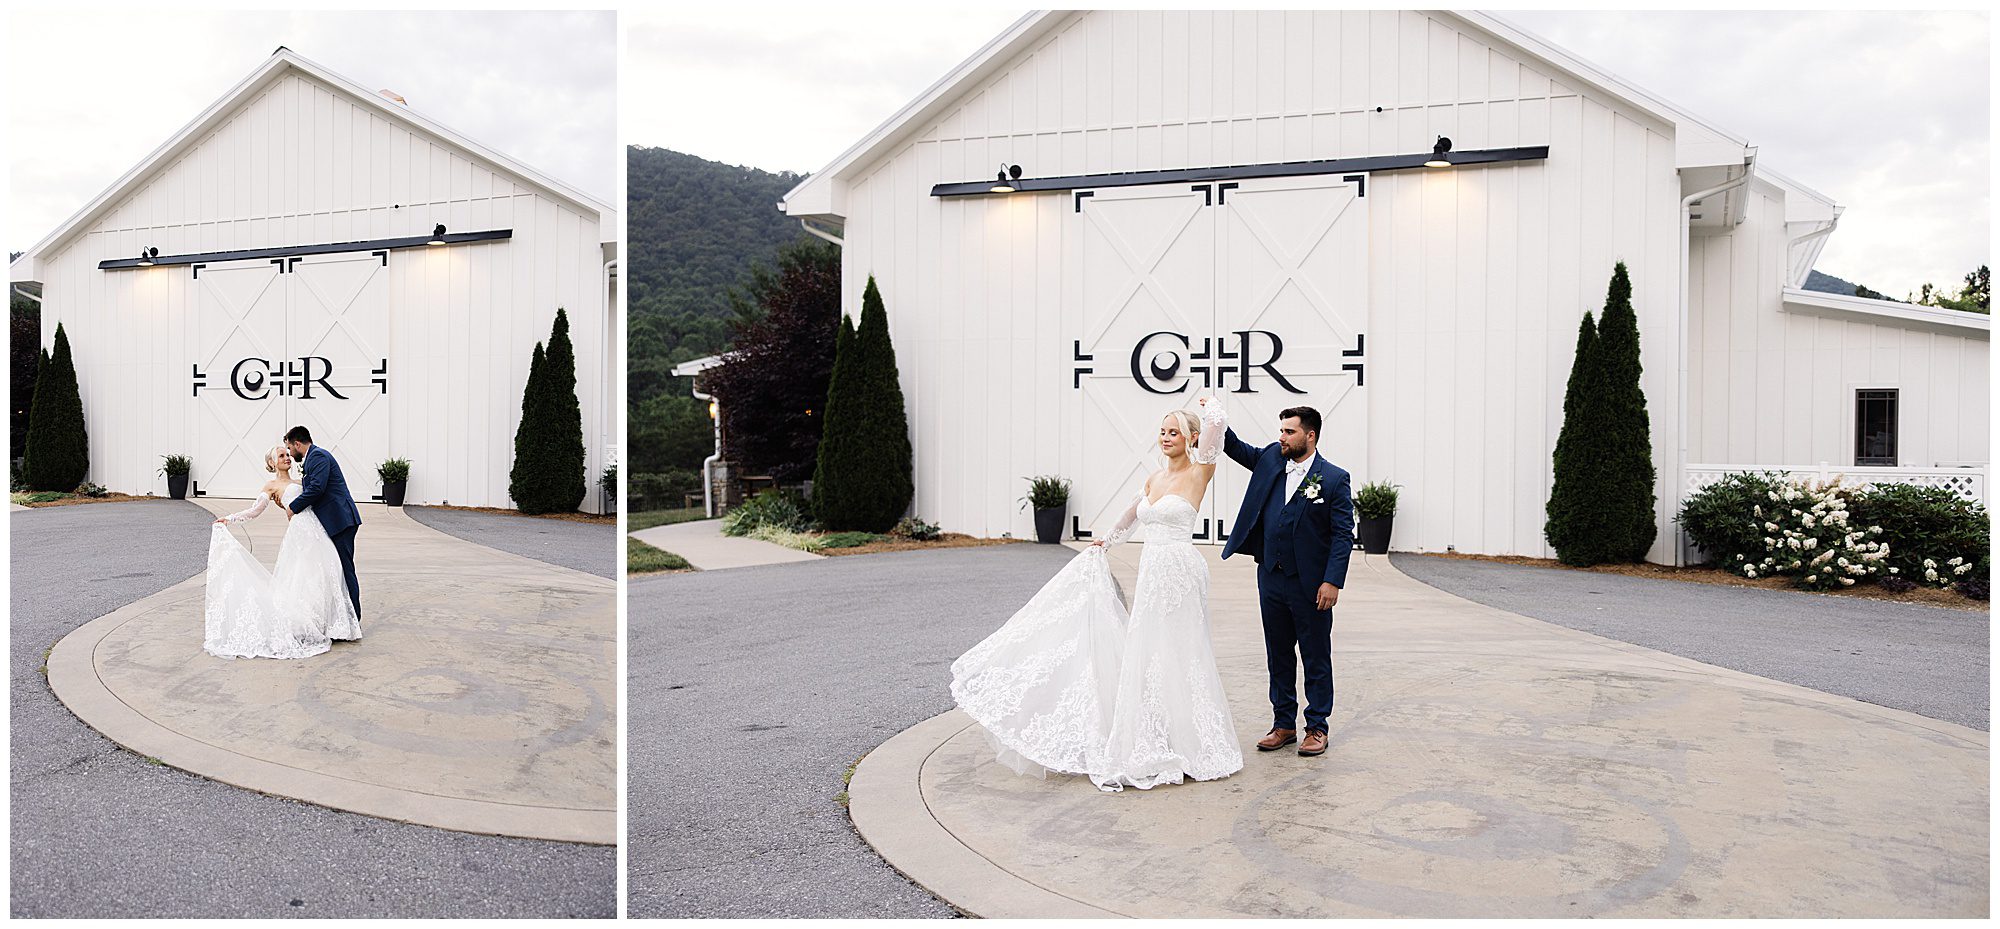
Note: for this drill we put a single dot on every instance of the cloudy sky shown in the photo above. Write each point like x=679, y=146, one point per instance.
x=1887, y=113
x=92, y=94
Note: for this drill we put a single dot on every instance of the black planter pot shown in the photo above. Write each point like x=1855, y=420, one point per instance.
x=1049, y=524
x=1375, y=534
x=177, y=486
x=392, y=492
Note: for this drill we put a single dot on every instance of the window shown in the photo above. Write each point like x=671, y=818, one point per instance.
x=1875, y=427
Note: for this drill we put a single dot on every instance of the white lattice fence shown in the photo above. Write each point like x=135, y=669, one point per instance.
x=1969, y=483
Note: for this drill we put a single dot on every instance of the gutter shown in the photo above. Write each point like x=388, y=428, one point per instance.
x=1820, y=233
x=18, y=290
x=708, y=464
x=607, y=273
x=1681, y=337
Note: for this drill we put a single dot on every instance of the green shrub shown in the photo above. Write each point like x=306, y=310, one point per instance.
x=1376, y=500
x=849, y=539
x=1926, y=524
x=1046, y=492
x=58, y=451
x=915, y=529
x=783, y=510
x=662, y=490
x=393, y=470
x=1719, y=519
x=547, y=476
x=1811, y=535
x=803, y=541
x=862, y=479
x=1601, y=508
x=176, y=465
x=88, y=489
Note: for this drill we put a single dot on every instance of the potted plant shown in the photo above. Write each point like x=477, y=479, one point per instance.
x=1049, y=495
x=1375, y=504
x=609, y=483
x=395, y=475
x=176, y=469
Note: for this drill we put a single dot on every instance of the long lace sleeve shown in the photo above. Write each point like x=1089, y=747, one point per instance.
x=1214, y=427
x=1126, y=523
x=253, y=512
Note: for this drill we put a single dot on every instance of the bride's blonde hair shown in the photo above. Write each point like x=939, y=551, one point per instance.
x=1190, y=424
x=271, y=458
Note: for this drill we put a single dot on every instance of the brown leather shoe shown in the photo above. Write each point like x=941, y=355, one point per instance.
x=1314, y=745
x=1277, y=739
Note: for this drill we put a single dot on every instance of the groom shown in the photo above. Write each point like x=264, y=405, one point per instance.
x=1298, y=522
x=325, y=490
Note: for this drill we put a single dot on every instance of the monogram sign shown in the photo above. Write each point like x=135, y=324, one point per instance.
x=258, y=379
x=1167, y=362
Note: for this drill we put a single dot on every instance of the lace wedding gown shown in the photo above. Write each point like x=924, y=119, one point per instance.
x=1072, y=683
x=293, y=611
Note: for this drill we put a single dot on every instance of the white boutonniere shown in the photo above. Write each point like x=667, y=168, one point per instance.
x=1310, y=489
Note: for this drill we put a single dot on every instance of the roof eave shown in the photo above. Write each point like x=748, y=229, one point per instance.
x=1884, y=312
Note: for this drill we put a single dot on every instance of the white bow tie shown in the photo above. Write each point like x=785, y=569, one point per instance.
x=1296, y=467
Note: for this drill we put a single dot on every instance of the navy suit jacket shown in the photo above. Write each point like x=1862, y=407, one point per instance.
x=325, y=490
x=1325, y=533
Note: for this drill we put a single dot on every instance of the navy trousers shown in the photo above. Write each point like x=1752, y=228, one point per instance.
x=1291, y=621
x=344, y=544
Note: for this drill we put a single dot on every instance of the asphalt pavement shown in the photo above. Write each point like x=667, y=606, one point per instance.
x=589, y=547
x=101, y=832
x=753, y=690
x=1932, y=661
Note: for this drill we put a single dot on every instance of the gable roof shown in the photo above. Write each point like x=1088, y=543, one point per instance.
x=1697, y=142
x=282, y=62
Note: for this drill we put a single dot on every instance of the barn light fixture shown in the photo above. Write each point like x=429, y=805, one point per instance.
x=1438, y=153
x=437, y=235
x=1003, y=182
x=146, y=256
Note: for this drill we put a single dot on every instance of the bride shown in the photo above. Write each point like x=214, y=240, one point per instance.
x=1073, y=684
x=292, y=612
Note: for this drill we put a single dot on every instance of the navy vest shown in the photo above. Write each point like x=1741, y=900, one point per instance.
x=1278, y=548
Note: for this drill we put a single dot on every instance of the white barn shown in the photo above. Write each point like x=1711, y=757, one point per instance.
x=1240, y=200
x=296, y=277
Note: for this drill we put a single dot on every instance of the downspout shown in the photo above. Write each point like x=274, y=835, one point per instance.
x=18, y=290
x=807, y=223
x=1681, y=334
x=708, y=464
x=607, y=274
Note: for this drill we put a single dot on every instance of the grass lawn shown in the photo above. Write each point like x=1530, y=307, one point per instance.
x=650, y=518
x=641, y=558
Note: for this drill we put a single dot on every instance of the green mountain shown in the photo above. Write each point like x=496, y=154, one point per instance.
x=694, y=227
x=1828, y=284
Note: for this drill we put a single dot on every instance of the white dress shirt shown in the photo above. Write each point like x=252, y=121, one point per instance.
x=1295, y=474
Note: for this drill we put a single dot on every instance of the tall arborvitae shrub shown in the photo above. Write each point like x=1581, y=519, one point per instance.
x=548, y=447
x=58, y=452
x=567, y=482
x=827, y=456
x=1627, y=438
x=870, y=466
x=1575, y=528
x=522, y=484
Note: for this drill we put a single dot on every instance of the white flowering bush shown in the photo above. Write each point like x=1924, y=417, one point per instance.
x=1809, y=536
x=1945, y=574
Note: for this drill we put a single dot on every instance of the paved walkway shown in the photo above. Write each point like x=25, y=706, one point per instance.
x=1482, y=764
x=482, y=697
x=704, y=546
x=98, y=831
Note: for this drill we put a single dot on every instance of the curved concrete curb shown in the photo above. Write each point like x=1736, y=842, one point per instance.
x=74, y=675
x=1705, y=787
x=886, y=802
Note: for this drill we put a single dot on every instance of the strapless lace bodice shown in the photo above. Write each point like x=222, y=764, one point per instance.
x=1170, y=520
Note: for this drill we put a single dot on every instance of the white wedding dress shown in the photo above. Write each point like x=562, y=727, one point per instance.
x=1072, y=683
x=293, y=611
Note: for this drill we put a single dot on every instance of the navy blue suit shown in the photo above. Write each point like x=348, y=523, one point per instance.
x=1299, y=544
x=324, y=489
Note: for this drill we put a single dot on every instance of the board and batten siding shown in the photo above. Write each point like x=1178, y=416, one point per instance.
x=1478, y=276
x=302, y=163
x=1770, y=387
